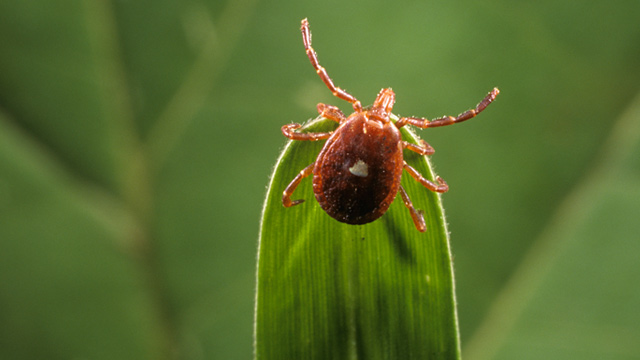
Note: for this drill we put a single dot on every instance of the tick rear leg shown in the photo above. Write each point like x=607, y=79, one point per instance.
x=449, y=120
x=331, y=112
x=422, y=149
x=313, y=57
x=441, y=187
x=418, y=218
x=288, y=131
x=286, y=195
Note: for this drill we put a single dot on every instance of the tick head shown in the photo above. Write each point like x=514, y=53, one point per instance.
x=383, y=104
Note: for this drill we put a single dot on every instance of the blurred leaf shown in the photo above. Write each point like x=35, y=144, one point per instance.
x=328, y=290
x=95, y=96
x=574, y=296
x=66, y=287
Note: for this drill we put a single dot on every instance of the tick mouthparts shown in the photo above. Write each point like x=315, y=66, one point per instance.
x=385, y=100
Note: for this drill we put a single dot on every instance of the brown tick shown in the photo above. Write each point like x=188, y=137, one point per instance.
x=357, y=173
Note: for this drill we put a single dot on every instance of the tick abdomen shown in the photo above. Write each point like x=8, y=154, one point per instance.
x=357, y=174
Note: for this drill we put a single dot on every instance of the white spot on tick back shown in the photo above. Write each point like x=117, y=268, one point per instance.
x=360, y=168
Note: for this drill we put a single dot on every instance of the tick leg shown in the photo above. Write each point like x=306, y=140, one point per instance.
x=422, y=149
x=288, y=131
x=416, y=215
x=338, y=92
x=448, y=120
x=286, y=195
x=331, y=112
x=440, y=187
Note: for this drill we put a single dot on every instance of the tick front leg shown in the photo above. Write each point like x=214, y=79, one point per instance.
x=441, y=187
x=449, y=120
x=313, y=57
x=422, y=149
x=418, y=218
x=331, y=112
x=288, y=131
x=286, y=195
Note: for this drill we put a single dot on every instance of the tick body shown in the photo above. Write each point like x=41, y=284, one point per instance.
x=358, y=171
x=357, y=174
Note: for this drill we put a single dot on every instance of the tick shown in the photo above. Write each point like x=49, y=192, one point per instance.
x=358, y=171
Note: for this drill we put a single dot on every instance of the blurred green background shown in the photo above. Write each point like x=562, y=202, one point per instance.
x=137, y=138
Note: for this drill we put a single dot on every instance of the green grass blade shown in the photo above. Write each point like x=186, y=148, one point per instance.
x=327, y=290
